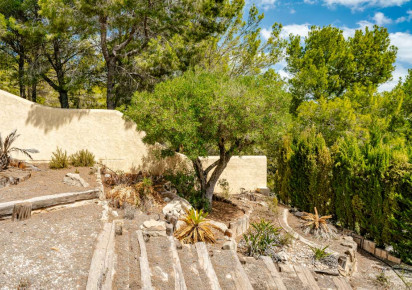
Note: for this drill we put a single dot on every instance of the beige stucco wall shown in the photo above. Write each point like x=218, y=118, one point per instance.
x=114, y=141
x=248, y=172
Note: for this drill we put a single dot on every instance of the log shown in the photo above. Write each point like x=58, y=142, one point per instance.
x=6, y=208
x=341, y=283
x=21, y=211
x=206, y=265
x=180, y=283
x=145, y=275
x=306, y=278
x=102, y=265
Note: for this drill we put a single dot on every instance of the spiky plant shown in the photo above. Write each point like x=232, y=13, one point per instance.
x=6, y=149
x=314, y=222
x=196, y=228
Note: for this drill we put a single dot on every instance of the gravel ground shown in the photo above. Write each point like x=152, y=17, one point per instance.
x=49, y=251
x=46, y=181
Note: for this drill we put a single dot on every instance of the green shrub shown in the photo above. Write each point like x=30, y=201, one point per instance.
x=319, y=253
x=82, y=158
x=262, y=237
x=59, y=159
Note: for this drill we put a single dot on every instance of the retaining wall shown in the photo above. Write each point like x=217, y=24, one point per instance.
x=114, y=141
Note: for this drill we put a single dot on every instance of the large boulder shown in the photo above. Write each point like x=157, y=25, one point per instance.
x=75, y=180
x=177, y=207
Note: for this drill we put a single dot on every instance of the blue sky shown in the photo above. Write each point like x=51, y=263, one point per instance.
x=297, y=17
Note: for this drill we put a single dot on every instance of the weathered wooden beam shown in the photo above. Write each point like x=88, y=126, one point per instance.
x=242, y=280
x=6, y=208
x=180, y=283
x=206, y=265
x=102, y=265
x=144, y=263
x=273, y=272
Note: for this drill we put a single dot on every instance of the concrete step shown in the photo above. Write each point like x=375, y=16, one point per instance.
x=229, y=271
x=259, y=275
x=290, y=278
x=195, y=276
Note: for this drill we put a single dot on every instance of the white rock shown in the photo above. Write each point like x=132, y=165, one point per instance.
x=153, y=225
x=177, y=207
x=107, y=175
x=167, y=199
x=74, y=180
x=230, y=245
x=219, y=225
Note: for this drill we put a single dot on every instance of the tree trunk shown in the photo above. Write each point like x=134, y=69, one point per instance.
x=34, y=92
x=64, y=98
x=110, y=63
x=21, y=76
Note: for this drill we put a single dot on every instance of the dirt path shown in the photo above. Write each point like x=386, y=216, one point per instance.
x=49, y=251
x=46, y=181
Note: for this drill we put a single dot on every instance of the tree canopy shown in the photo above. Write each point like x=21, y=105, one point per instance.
x=203, y=113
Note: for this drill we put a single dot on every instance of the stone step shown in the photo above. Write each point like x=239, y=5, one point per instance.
x=259, y=274
x=290, y=278
x=228, y=269
x=195, y=276
x=306, y=277
x=160, y=257
x=274, y=272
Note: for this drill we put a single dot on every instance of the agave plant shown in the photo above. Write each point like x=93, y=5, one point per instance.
x=196, y=228
x=315, y=222
x=6, y=149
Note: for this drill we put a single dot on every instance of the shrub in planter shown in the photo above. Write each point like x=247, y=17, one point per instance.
x=59, y=159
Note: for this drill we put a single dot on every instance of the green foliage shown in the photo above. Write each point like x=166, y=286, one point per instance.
x=272, y=202
x=262, y=237
x=82, y=158
x=202, y=113
x=59, y=159
x=319, y=253
x=328, y=65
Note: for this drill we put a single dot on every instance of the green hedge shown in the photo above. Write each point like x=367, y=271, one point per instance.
x=366, y=187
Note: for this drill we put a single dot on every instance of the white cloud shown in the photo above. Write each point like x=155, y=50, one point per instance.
x=400, y=72
x=265, y=4
x=361, y=4
x=292, y=11
x=296, y=29
x=405, y=18
x=403, y=41
x=381, y=19
x=350, y=32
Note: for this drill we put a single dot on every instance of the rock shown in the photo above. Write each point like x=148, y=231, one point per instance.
x=281, y=256
x=153, y=225
x=230, y=245
x=242, y=260
x=221, y=226
x=107, y=175
x=166, y=199
x=299, y=213
x=228, y=233
x=75, y=180
x=179, y=245
x=118, y=228
x=169, y=229
x=177, y=207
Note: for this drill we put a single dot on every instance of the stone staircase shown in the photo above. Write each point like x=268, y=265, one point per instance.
x=160, y=262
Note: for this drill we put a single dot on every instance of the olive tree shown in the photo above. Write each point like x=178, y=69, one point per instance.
x=202, y=113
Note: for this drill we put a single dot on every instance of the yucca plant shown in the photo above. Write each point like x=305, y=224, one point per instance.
x=196, y=228
x=314, y=222
x=6, y=149
x=319, y=253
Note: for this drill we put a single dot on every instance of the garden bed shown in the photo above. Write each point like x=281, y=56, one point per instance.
x=46, y=182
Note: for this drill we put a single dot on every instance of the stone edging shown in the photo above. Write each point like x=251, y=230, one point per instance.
x=370, y=247
x=347, y=261
x=241, y=225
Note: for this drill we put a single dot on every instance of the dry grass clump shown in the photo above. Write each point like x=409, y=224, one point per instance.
x=59, y=159
x=196, y=228
x=82, y=158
